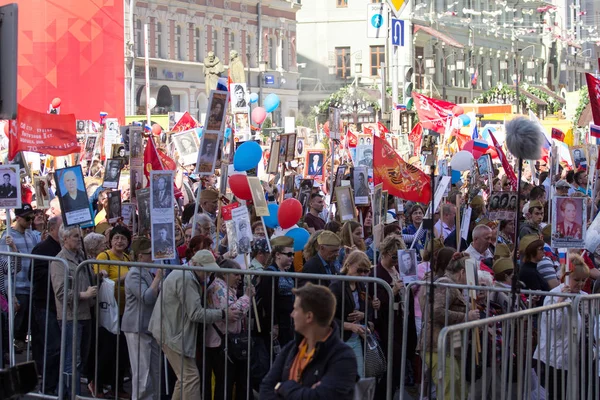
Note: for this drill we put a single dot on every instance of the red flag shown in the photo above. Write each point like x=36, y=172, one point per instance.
x=156, y=160
x=558, y=134
x=594, y=93
x=399, y=178
x=507, y=168
x=185, y=123
x=53, y=134
x=367, y=131
x=415, y=137
x=433, y=113
x=381, y=127
x=352, y=140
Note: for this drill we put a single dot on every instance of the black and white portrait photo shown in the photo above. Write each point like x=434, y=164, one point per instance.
x=239, y=102
x=136, y=142
x=114, y=206
x=161, y=187
x=90, y=147
x=143, y=207
x=215, y=118
x=42, y=191
x=72, y=196
x=80, y=125
x=163, y=241
x=207, y=154
x=273, y=165
x=579, y=157
x=334, y=123
x=300, y=148
x=258, y=196
x=344, y=203
x=364, y=156
x=112, y=173
x=187, y=147
x=291, y=147
x=313, y=167
x=242, y=229
x=361, y=185
x=407, y=262
x=10, y=189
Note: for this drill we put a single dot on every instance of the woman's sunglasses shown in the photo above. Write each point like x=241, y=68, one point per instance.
x=290, y=254
x=363, y=270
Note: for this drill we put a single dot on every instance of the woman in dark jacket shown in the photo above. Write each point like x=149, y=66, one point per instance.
x=387, y=270
x=351, y=299
x=531, y=248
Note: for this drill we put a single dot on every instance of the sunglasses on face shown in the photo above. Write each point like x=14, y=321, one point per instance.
x=363, y=270
x=28, y=218
x=394, y=257
x=290, y=254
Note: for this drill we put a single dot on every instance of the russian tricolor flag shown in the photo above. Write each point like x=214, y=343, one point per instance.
x=595, y=131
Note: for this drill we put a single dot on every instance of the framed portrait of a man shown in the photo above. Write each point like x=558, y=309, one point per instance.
x=291, y=147
x=242, y=123
x=243, y=229
x=258, y=196
x=207, y=154
x=187, y=146
x=136, y=179
x=579, y=156
x=42, y=191
x=283, y=147
x=72, y=196
x=377, y=198
x=569, y=222
x=136, y=142
x=344, y=203
x=128, y=213
x=10, y=189
x=407, y=264
x=306, y=186
x=300, y=143
x=161, y=186
x=273, y=165
x=239, y=101
x=361, y=185
x=163, y=241
x=114, y=206
x=143, y=208
x=314, y=165
x=112, y=172
x=364, y=156
x=89, y=147
x=215, y=118
x=334, y=123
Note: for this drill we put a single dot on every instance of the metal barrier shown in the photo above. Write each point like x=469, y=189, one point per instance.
x=586, y=309
x=181, y=369
x=11, y=282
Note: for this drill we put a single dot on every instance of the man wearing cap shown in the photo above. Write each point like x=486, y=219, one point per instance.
x=209, y=201
x=178, y=312
x=323, y=262
x=503, y=274
x=312, y=219
x=531, y=251
x=260, y=254
x=562, y=188
x=532, y=225
x=24, y=240
x=549, y=265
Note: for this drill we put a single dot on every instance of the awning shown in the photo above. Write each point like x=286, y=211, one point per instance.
x=436, y=34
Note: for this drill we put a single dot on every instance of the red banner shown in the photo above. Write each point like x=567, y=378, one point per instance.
x=507, y=168
x=416, y=136
x=185, y=123
x=156, y=160
x=594, y=93
x=42, y=133
x=352, y=140
x=558, y=134
x=399, y=178
x=433, y=113
x=381, y=127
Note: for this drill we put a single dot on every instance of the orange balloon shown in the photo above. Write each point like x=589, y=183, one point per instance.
x=156, y=129
x=56, y=102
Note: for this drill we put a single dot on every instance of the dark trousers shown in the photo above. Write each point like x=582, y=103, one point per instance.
x=22, y=317
x=236, y=376
x=107, y=364
x=47, y=344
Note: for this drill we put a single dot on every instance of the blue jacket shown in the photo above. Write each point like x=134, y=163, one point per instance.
x=333, y=366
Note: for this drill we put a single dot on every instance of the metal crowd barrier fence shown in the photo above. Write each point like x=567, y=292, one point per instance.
x=205, y=355
x=11, y=290
x=586, y=309
x=493, y=300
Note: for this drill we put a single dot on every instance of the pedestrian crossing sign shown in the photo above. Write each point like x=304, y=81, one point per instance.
x=397, y=6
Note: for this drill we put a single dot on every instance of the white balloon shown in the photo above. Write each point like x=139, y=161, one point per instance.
x=152, y=102
x=462, y=161
x=457, y=123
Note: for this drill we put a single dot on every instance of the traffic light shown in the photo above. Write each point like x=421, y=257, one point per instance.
x=408, y=88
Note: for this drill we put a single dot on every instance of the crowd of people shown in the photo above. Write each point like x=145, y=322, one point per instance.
x=312, y=332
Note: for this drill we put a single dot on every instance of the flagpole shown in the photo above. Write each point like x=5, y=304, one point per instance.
x=147, y=72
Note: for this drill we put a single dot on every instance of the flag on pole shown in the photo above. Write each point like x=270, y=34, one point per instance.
x=399, y=178
x=595, y=130
x=415, y=137
x=558, y=134
x=156, y=160
x=507, y=168
x=475, y=134
x=594, y=92
x=381, y=127
x=352, y=140
x=433, y=113
x=474, y=77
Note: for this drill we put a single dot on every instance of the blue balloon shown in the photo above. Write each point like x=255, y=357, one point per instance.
x=199, y=132
x=253, y=97
x=271, y=220
x=271, y=102
x=300, y=236
x=466, y=120
x=456, y=176
x=247, y=156
x=485, y=133
x=227, y=133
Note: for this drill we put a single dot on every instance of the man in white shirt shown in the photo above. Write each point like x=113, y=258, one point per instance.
x=445, y=225
x=480, y=247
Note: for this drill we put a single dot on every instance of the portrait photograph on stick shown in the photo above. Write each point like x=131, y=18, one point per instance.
x=207, y=155
x=112, y=173
x=143, y=209
x=215, y=118
x=344, y=203
x=361, y=186
x=187, y=146
x=163, y=241
x=313, y=165
x=291, y=147
x=10, y=189
x=90, y=147
x=114, y=206
x=42, y=191
x=239, y=100
x=569, y=216
x=258, y=196
x=273, y=165
x=242, y=229
x=407, y=262
x=136, y=142
x=161, y=186
x=73, y=198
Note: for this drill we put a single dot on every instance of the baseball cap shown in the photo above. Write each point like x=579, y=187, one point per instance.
x=562, y=184
x=260, y=246
x=25, y=210
x=205, y=258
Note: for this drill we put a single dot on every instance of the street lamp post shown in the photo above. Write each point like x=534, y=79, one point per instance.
x=519, y=52
x=444, y=84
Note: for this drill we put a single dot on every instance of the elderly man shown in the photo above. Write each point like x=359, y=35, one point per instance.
x=482, y=240
x=445, y=225
x=209, y=201
x=176, y=317
x=328, y=250
x=318, y=364
x=74, y=199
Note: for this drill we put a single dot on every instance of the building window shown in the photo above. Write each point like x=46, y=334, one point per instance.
x=159, y=39
x=215, y=42
x=139, y=39
x=198, y=44
x=377, y=57
x=272, y=54
x=284, y=55
x=341, y=3
x=232, y=45
x=342, y=62
x=178, y=47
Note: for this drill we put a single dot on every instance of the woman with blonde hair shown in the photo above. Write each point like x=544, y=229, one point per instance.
x=310, y=249
x=352, y=239
x=351, y=304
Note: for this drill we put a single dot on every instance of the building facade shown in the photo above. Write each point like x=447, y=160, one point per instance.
x=182, y=33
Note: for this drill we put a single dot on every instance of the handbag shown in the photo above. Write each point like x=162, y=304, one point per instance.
x=108, y=311
x=375, y=363
x=237, y=344
x=364, y=389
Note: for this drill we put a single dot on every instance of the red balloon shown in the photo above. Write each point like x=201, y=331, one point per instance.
x=156, y=129
x=289, y=213
x=56, y=102
x=477, y=151
x=239, y=186
x=492, y=152
x=457, y=110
